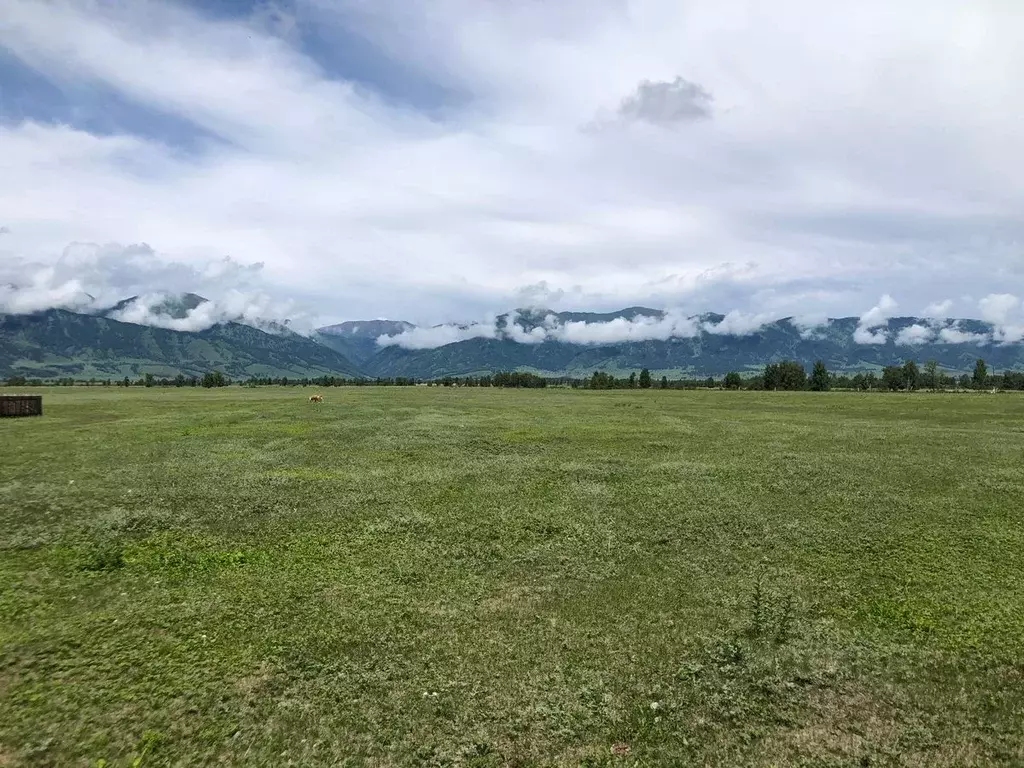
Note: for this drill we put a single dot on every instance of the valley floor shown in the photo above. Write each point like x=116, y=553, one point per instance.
x=428, y=576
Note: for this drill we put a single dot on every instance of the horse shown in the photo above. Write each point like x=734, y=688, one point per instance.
x=316, y=398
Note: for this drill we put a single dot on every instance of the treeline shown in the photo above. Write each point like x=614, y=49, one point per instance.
x=210, y=379
x=514, y=379
x=789, y=375
x=784, y=375
x=327, y=381
x=893, y=378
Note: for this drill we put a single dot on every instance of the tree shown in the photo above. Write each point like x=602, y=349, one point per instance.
x=127, y=382
x=911, y=376
x=645, y=379
x=820, y=378
x=148, y=380
x=518, y=380
x=892, y=377
x=785, y=375
x=980, y=373
x=931, y=374
x=733, y=380
x=632, y=380
x=664, y=382
x=1013, y=380
x=214, y=379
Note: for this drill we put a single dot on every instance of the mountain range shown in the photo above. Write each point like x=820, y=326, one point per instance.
x=58, y=343
x=706, y=352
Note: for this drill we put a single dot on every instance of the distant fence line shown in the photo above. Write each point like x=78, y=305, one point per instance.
x=21, y=405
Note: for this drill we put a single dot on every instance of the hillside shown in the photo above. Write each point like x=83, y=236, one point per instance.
x=61, y=343
x=357, y=339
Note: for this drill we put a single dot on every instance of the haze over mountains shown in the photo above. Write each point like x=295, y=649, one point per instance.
x=135, y=337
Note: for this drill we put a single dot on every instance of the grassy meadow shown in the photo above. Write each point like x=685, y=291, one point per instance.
x=442, y=577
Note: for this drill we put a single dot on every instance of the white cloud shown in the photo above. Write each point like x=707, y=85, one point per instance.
x=1009, y=334
x=914, y=335
x=619, y=330
x=938, y=309
x=438, y=336
x=810, y=325
x=616, y=331
x=90, y=276
x=1003, y=311
x=880, y=313
x=257, y=310
x=875, y=317
x=516, y=332
x=737, y=323
x=997, y=308
x=865, y=336
x=42, y=290
x=361, y=203
x=954, y=335
x=111, y=272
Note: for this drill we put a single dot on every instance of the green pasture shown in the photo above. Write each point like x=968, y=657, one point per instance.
x=478, y=577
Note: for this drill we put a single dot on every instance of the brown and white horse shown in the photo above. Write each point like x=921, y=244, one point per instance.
x=316, y=398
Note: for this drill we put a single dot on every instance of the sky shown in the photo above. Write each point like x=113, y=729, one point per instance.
x=447, y=160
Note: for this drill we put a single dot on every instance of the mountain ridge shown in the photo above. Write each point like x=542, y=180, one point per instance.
x=699, y=351
x=176, y=306
x=57, y=343
x=60, y=343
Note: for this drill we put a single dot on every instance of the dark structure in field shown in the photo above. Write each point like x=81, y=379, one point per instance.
x=21, y=405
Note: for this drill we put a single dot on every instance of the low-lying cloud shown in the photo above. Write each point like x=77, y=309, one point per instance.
x=737, y=323
x=875, y=318
x=438, y=336
x=873, y=327
x=1003, y=310
x=92, y=277
x=915, y=335
x=642, y=328
x=811, y=325
x=954, y=335
x=661, y=327
x=42, y=290
x=257, y=310
x=672, y=324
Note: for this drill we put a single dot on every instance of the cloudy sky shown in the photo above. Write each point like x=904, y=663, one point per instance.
x=437, y=161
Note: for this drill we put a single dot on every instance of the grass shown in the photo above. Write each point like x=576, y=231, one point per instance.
x=482, y=578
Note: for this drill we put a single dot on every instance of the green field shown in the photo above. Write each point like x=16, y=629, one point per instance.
x=428, y=576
